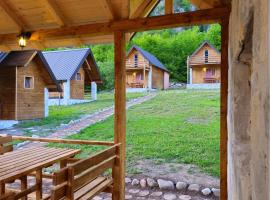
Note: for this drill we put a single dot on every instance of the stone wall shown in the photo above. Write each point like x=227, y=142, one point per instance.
x=249, y=102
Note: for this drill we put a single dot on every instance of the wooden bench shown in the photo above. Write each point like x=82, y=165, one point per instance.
x=5, y=145
x=83, y=179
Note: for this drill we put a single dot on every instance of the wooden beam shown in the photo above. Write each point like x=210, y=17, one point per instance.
x=108, y=8
x=55, y=12
x=168, y=7
x=120, y=115
x=207, y=16
x=12, y=14
x=144, y=8
x=224, y=108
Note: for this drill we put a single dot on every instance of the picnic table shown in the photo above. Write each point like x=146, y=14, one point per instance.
x=20, y=163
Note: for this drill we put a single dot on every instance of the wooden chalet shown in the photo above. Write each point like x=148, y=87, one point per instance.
x=244, y=99
x=74, y=69
x=24, y=79
x=203, y=65
x=144, y=70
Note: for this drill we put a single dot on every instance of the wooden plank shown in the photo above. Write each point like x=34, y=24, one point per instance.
x=64, y=141
x=24, y=186
x=5, y=139
x=96, y=190
x=142, y=8
x=168, y=7
x=224, y=109
x=207, y=16
x=88, y=187
x=84, y=164
x=55, y=11
x=93, y=172
x=120, y=115
x=39, y=184
x=108, y=8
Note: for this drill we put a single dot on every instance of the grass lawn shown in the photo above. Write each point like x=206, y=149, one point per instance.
x=64, y=114
x=176, y=126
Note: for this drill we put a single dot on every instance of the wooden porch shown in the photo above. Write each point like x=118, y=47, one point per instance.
x=87, y=24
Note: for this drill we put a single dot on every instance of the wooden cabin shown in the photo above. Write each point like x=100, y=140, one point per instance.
x=203, y=65
x=144, y=70
x=25, y=77
x=75, y=69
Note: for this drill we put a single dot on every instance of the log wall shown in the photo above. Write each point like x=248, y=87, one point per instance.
x=249, y=101
x=77, y=86
x=7, y=93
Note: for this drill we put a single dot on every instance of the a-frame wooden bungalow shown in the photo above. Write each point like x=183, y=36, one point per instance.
x=245, y=105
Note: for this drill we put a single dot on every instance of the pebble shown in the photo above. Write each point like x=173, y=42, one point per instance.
x=143, y=183
x=143, y=193
x=156, y=194
x=128, y=180
x=151, y=182
x=181, y=185
x=206, y=191
x=194, y=188
x=135, y=182
x=127, y=196
x=185, y=197
x=216, y=192
x=165, y=185
x=134, y=191
x=169, y=196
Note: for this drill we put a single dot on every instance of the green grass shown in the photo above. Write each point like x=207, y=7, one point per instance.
x=176, y=126
x=64, y=114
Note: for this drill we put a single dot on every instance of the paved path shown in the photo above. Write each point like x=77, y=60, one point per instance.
x=78, y=125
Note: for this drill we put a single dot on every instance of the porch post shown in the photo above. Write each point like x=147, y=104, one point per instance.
x=120, y=115
x=224, y=109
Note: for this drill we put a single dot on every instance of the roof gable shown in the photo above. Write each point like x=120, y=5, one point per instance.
x=23, y=59
x=202, y=45
x=66, y=63
x=150, y=57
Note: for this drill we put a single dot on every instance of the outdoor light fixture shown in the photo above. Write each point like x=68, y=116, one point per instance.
x=23, y=37
x=204, y=69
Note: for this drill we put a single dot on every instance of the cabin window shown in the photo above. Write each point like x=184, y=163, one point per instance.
x=78, y=77
x=136, y=60
x=28, y=82
x=210, y=72
x=206, y=53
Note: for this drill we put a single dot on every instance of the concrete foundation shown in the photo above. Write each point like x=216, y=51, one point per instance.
x=204, y=86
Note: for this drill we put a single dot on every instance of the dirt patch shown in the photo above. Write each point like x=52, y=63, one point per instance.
x=172, y=171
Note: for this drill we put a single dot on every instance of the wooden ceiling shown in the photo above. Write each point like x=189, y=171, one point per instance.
x=50, y=15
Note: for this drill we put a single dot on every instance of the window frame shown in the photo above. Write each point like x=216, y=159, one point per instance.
x=32, y=82
x=80, y=75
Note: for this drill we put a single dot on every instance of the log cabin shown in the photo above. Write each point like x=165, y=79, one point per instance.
x=25, y=78
x=144, y=70
x=203, y=66
x=75, y=69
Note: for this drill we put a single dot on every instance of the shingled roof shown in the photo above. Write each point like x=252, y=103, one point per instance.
x=66, y=63
x=150, y=57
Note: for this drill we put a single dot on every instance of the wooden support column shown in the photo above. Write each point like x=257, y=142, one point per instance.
x=168, y=7
x=120, y=115
x=224, y=109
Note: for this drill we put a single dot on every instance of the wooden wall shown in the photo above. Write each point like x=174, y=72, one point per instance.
x=199, y=58
x=77, y=87
x=198, y=73
x=131, y=77
x=30, y=102
x=157, y=78
x=141, y=60
x=7, y=93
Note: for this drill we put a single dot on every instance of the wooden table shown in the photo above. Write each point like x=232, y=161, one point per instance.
x=20, y=163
